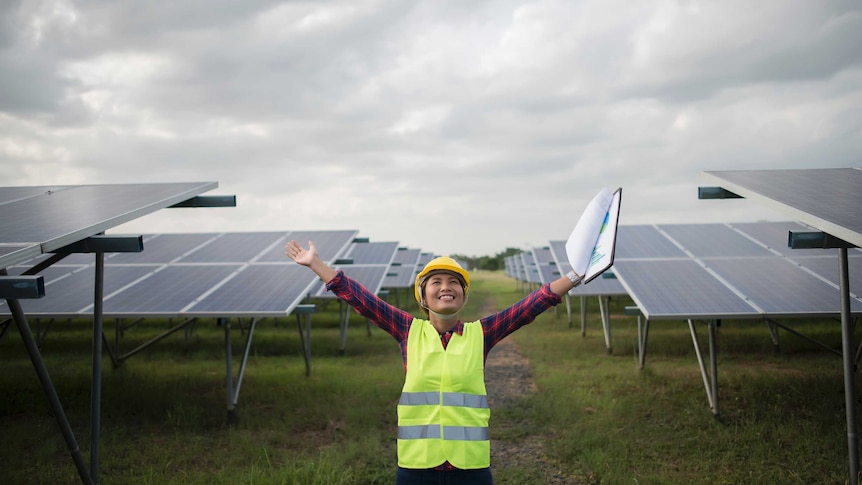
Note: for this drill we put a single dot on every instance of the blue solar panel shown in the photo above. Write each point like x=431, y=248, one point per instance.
x=238, y=247
x=71, y=292
x=258, y=290
x=642, y=241
x=549, y=273
x=779, y=287
x=58, y=218
x=827, y=268
x=330, y=244
x=828, y=199
x=15, y=194
x=705, y=240
x=400, y=277
x=163, y=248
x=677, y=289
x=407, y=256
x=776, y=234
x=372, y=252
x=169, y=291
x=371, y=277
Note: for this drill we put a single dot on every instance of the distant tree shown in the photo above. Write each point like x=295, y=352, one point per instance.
x=490, y=263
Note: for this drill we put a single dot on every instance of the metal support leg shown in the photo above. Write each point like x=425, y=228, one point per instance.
x=604, y=313
x=345, y=319
x=228, y=351
x=233, y=390
x=643, y=334
x=773, y=333
x=96, y=390
x=569, y=309
x=51, y=393
x=710, y=379
x=847, y=341
x=303, y=313
x=583, y=316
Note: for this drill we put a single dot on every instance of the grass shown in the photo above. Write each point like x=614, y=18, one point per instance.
x=601, y=419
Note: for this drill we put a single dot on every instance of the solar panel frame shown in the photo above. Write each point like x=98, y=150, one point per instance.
x=828, y=199
x=76, y=212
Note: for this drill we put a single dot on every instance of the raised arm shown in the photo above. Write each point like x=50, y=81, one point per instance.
x=309, y=257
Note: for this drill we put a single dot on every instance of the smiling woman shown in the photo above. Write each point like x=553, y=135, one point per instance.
x=443, y=413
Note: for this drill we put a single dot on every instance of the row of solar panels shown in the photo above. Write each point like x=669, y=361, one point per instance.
x=217, y=275
x=682, y=271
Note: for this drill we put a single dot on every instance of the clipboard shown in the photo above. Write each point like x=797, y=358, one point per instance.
x=591, y=245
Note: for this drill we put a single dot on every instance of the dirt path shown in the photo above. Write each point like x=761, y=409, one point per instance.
x=508, y=378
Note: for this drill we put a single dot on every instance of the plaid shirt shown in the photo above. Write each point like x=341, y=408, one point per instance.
x=396, y=322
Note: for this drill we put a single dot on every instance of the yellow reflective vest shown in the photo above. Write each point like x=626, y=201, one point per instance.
x=443, y=412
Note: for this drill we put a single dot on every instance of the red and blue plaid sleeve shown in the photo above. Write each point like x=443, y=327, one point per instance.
x=501, y=324
x=391, y=319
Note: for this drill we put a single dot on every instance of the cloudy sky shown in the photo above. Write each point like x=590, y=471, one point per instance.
x=447, y=125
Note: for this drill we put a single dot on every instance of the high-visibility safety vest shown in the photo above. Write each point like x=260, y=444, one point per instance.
x=443, y=412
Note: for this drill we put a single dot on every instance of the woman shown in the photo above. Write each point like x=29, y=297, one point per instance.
x=443, y=412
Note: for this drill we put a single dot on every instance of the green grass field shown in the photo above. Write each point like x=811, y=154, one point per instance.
x=600, y=417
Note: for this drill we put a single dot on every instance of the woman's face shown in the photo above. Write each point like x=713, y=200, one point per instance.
x=443, y=293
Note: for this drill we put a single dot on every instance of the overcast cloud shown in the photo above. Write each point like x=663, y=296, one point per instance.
x=447, y=125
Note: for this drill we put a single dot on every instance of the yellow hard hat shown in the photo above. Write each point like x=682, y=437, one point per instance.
x=442, y=263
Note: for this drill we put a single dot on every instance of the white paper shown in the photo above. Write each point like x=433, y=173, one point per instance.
x=590, y=246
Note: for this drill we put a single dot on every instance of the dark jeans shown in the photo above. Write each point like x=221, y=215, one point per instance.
x=407, y=476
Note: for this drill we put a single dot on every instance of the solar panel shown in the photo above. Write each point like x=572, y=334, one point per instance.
x=679, y=289
x=167, y=292
x=164, y=248
x=549, y=273
x=407, y=256
x=15, y=194
x=543, y=255
x=705, y=240
x=372, y=252
x=827, y=268
x=641, y=241
x=828, y=199
x=54, y=219
x=330, y=244
x=780, y=288
x=238, y=247
x=257, y=290
x=530, y=269
x=371, y=277
x=775, y=235
x=72, y=293
x=400, y=277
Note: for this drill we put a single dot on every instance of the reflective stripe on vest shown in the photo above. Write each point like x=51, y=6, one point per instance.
x=443, y=411
x=449, y=399
x=461, y=433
